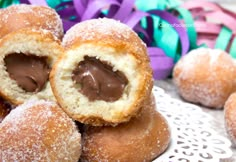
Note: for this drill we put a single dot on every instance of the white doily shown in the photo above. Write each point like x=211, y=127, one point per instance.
x=192, y=136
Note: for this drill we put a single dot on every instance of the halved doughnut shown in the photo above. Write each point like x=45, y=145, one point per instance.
x=26, y=59
x=104, y=77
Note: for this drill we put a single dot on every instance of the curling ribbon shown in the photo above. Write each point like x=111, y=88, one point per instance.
x=217, y=33
x=168, y=36
x=162, y=60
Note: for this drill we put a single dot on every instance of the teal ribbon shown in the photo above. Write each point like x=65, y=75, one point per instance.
x=165, y=36
x=189, y=25
x=146, y=5
x=232, y=50
x=223, y=39
x=168, y=40
x=4, y=3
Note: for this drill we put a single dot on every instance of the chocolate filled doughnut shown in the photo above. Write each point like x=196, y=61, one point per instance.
x=26, y=58
x=39, y=131
x=206, y=76
x=143, y=138
x=104, y=76
x=20, y=16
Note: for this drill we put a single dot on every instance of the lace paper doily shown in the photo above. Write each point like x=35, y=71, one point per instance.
x=192, y=136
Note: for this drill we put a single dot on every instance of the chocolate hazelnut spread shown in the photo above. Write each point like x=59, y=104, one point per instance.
x=29, y=71
x=98, y=81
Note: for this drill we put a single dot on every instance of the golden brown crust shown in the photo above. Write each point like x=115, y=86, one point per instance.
x=9, y=98
x=141, y=139
x=41, y=35
x=21, y=16
x=39, y=131
x=5, y=109
x=229, y=117
x=206, y=76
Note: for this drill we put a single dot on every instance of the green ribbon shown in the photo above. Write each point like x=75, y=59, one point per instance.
x=223, y=39
x=232, y=50
x=168, y=40
x=51, y=3
x=4, y=3
x=165, y=36
x=156, y=4
x=189, y=25
x=54, y=3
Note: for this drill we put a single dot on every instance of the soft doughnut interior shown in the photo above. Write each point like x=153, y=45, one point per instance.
x=26, y=42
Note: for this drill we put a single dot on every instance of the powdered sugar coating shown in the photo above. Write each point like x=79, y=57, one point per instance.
x=39, y=131
x=98, y=29
x=22, y=15
x=206, y=76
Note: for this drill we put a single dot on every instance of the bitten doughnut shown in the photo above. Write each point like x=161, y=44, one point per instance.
x=229, y=117
x=206, y=76
x=26, y=58
x=143, y=138
x=39, y=131
x=20, y=16
x=104, y=76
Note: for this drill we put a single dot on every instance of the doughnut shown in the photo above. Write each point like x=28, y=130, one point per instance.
x=229, y=117
x=104, y=77
x=26, y=58
x=21, y=16
x=39, y=131
x=5, y=109
x=143, y=138
x=205, y=76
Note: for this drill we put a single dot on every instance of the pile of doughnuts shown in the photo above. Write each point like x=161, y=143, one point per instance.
x=206, y=76
x=96, y=82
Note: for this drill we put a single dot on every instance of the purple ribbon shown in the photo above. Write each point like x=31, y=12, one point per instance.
x=124, y=11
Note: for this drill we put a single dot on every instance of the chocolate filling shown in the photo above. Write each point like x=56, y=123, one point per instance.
x=29, y=71
x=98, y=81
